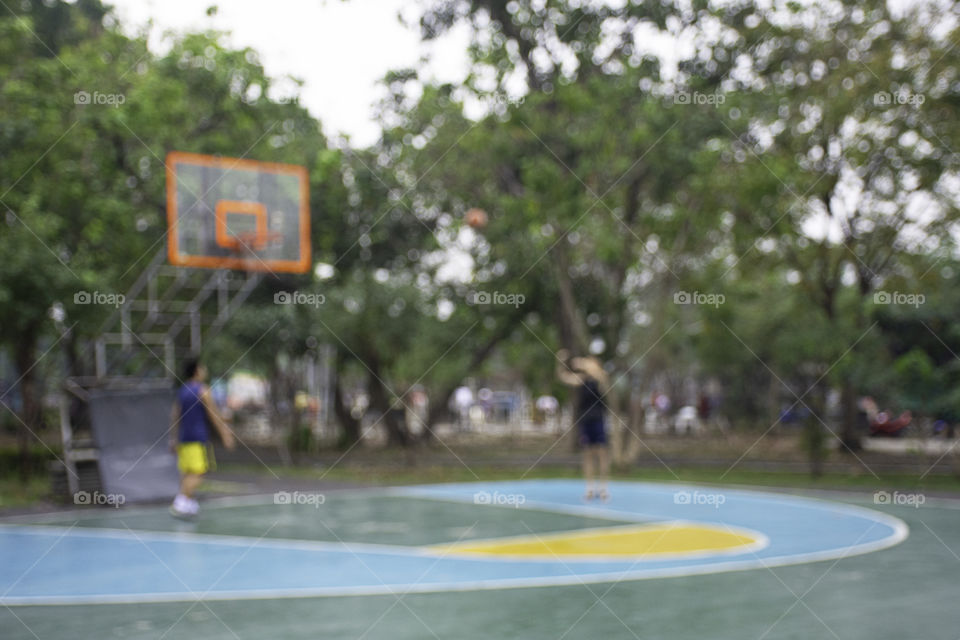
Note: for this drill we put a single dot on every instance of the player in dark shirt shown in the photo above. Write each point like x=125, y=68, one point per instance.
x=589, y=379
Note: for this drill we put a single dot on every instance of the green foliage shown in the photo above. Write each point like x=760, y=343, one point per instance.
x=100, y=117
x=782, y=168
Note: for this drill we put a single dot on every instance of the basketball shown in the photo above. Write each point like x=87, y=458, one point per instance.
x=476, y=218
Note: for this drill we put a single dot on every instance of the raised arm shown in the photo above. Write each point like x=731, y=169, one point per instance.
x=564, y=373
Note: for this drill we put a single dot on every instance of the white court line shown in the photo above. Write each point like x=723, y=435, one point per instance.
x=900, y=531
x=479, y=585
x=613, y=513
x=133, y=535
x=253, y=499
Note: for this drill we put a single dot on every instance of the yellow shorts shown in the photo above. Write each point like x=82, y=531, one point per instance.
x=192, y=458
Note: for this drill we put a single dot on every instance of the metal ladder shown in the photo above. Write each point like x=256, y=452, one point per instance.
x=167, y=314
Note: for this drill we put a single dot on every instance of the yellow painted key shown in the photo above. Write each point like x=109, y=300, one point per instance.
x=619, y=541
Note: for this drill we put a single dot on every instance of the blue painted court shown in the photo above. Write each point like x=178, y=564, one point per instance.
x=470, y=542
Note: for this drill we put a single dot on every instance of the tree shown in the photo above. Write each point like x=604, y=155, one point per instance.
x=840, y=140
x=87, y=122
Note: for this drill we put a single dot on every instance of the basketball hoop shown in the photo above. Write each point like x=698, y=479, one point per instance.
x=236, y=213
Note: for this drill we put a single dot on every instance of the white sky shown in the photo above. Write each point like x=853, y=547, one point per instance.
x=339, y=49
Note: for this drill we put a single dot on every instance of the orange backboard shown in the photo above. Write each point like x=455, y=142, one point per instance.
x=232, y=213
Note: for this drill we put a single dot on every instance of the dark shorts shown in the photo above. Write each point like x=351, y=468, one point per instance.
x=592, y=431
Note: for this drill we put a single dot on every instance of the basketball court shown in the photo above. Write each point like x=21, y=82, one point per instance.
x=524, y=558
x=477, y=559
x=565, y=241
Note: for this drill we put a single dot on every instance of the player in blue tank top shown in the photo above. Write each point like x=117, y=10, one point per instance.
x=194, y=422
x=194, y=413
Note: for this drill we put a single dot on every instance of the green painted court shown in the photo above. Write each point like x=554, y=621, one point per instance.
x=306, y=565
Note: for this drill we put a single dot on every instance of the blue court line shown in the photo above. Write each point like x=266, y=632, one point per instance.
x=61, y=565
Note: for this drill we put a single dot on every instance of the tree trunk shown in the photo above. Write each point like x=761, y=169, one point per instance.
x=380, y=399
x=31, y=412
x=813, y=432
x=437, y=409
x=349, y=426
x=814, y=436
x=573, y=330
x=849, y=431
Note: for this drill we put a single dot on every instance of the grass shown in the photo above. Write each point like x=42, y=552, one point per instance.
x=16, y=493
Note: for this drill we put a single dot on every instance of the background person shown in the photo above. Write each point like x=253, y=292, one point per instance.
x=589, y=378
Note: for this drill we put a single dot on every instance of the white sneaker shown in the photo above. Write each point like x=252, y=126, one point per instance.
x=181, y=507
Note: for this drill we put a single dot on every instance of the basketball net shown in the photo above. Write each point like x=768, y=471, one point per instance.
x=248, y=245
